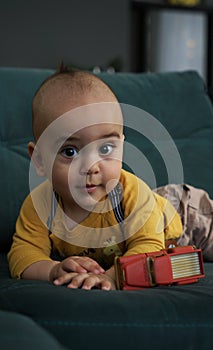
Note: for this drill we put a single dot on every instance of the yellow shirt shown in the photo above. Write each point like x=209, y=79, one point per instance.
x=148, y=220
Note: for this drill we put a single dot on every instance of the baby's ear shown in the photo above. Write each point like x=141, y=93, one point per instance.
x=36, y=158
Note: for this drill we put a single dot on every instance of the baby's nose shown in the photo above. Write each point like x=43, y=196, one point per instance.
x=90, y=164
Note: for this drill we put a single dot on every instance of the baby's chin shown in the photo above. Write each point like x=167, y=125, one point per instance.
x=88, y=200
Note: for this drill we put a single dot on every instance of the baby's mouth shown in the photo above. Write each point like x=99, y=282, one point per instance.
x=90, y=188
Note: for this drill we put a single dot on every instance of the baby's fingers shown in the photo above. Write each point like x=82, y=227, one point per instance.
x=64, y=279
x=78, y=280
x=82, y=264
x=85, y=281
x=96, y=281
x=75, y=280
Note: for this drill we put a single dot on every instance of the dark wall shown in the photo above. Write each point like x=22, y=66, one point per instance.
x=82, y=33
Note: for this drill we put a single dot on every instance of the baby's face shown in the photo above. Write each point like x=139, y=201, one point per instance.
x=88, y=165
x=83, y=153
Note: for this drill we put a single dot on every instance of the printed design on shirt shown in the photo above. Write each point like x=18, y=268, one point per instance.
x=87, y=252
x=111, y=247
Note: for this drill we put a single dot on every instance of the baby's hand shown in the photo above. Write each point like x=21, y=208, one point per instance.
x=78, y=264
x=86, y=281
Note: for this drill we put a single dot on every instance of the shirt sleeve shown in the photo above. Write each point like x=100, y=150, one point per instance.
x=172, y=221
x=148, y=218
x=31, y=241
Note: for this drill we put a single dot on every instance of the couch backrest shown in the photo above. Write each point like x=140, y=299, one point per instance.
x=178, y=100
x=17, y=87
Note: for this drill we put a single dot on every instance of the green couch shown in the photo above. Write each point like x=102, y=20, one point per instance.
x=156, y=318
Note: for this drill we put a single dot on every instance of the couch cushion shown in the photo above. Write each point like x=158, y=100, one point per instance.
x=19, y=332
x=17, y=87
x=156, y=318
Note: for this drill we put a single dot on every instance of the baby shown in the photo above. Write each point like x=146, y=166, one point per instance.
x=89, y=209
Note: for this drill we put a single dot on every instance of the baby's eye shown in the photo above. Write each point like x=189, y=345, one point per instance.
x=70, y=152
x=106, y=149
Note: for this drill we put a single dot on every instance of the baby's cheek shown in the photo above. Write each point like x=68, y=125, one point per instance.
x=60, y=178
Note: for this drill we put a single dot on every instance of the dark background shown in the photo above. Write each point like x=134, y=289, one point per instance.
x=82, y=33
x=102, y=33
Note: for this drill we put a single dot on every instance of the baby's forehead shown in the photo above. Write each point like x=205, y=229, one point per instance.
x=88, y=107
x=90, y=134
x=90, y=115
x=95, y=115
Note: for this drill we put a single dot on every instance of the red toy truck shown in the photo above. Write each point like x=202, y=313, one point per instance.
x=178, y=265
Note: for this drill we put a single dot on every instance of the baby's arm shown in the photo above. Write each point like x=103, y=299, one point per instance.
x=29, y=256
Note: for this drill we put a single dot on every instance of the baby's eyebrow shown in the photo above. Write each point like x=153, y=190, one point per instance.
x=113, y=134
x=62, y=140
